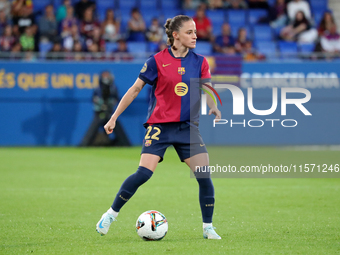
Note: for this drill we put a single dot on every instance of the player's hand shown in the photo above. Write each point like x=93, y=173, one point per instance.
x=217, y=113
x=109, y=126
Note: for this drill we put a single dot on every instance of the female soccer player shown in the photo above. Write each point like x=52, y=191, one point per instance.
x=172, y=118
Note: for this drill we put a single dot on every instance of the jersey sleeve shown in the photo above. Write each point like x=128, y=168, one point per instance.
x=205, y=71
x=149, y=71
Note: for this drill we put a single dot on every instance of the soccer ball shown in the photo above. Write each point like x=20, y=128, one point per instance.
x=152, y=226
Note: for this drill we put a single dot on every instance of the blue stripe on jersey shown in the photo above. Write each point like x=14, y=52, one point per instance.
x=149, y=72
x=190, y=103
x=152, y=104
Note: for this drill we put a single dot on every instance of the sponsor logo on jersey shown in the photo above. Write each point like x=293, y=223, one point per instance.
x=181, y=89
x=166, y=65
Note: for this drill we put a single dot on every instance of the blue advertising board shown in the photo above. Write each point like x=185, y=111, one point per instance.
x=320, y=79
x=49, y=104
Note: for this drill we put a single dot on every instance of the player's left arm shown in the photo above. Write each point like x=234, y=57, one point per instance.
x=211, y=99
x=211, y=102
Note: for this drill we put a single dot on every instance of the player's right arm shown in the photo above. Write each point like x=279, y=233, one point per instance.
x=127, y=99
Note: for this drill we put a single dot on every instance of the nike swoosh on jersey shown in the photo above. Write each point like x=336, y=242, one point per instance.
x=166, y=65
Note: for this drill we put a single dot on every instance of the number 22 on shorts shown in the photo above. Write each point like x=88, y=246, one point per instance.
x=155, y=135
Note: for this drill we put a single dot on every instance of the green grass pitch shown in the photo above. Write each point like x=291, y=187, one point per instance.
x=52, y=198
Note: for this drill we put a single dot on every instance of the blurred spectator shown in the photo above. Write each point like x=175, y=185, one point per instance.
x=48, y=26
x=30, y=56
x=279, y=17
x=69, y=40
x=56, y=52
x=110, y=27
x=17, y=6
x=190, y=4
x=224, y=43
x=155, y=32
x=326, y=23
x=95, y=39
x=122, y=52
x=330, y=41
x=241, y=41
x=203, y=25
x=5, y=6
x=81, y=6
x=236, y=4
x=295, y=6
x=4, y=21
x=78, y=51
x=62, y=10
x=68, y=23
x=88, y=24
x=23, y=19
x=7, y=40
x=27, y=40
x=215, y=4
x=250, y=54
x=293, y=31
x=258, y=4
x=136, y=26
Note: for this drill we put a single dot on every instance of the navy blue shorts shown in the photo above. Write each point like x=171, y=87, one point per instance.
x=186, y=139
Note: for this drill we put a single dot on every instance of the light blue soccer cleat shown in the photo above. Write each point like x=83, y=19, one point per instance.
x=103, y=225
x=210, y=233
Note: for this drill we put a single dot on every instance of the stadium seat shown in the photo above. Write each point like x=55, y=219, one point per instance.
x=204, y=48
x=39, y=5
x=216, y=28
x=137, y=47
x=170, y=4
x=237, y=17
x=263, y=33
x=271, y=2
x=235, y=29
x=256, y=14
x=318, y=5
x=153, y=46
x=105, y=4
x=110, y=46
x=149, y=5
x=190, y=13
x=217, y=16
x=127, y=4
x=101, y=13
x=267, y=48
x=171, y=13
x=149, y=15
x=306, y=47
x=288, y=48
x=318, y=17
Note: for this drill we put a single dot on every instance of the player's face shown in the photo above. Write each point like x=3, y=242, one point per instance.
x=187, y=34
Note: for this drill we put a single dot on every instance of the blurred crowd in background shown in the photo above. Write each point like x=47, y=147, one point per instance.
x=254, y=29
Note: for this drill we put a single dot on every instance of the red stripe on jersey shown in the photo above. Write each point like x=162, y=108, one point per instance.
x=168, y=104
x=205, y=71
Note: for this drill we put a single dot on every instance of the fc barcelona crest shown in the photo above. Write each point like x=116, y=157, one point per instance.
x=181, y=70
x=147, y=143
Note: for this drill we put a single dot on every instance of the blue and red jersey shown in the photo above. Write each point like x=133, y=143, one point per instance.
x=175, y=95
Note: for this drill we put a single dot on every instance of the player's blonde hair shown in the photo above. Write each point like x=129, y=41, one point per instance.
x=172, y=25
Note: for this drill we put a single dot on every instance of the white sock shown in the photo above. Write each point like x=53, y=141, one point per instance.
x=207, y=225
x=114, y=213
